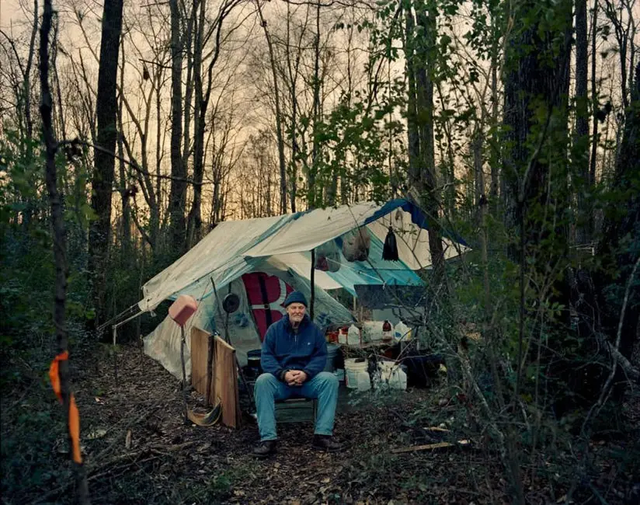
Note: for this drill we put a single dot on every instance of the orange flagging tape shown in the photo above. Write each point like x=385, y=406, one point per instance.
x=53, y=373
x=74, y=414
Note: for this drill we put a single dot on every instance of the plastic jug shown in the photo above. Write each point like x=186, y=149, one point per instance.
x=401, y=332
x=353, y=336
x=372, y=331
x=364, y=383
x=342, y=336
x=398, y=379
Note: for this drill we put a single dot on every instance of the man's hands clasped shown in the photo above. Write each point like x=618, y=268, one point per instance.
x=295, y=377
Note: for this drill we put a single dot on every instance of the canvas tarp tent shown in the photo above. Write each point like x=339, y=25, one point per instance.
x=281, y=246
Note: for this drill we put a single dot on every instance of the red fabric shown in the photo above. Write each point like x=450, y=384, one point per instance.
x=276, y=292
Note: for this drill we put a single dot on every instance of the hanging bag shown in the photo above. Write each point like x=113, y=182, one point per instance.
x=356, y=244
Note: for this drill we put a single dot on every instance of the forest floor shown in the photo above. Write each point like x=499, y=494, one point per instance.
x=138, y=449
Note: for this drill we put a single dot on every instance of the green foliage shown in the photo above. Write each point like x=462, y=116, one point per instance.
x=354, y=149
x=29, y=460
x=27, y=272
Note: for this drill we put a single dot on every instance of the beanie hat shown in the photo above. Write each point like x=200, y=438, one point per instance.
x=295, y=297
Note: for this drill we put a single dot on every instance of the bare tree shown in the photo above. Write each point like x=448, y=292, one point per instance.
x=581, y=134
x=178, y=195
x=203, y=34
x=60, y=252
x=102, y=180
x=279, y=129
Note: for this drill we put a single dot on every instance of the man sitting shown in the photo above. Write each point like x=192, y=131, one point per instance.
x=294, y=354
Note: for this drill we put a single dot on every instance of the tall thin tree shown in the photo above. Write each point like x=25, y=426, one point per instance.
x=102, y=180
x=178, y=194
x=60, y=256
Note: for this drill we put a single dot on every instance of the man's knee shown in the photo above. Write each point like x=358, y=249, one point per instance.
x=327, y=379
x=265, y=380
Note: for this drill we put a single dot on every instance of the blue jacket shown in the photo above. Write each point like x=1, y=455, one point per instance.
x=283, y=349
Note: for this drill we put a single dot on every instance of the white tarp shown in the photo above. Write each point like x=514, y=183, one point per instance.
x=412, y=241
x=280, y=245
x=235, y=247
x=163, y=344
x=218, y=256
x=313, y=229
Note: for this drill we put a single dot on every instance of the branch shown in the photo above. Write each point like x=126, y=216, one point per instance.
x=15, y=51
x=355, y=3
x=134, y=165
x=156, y=63
x=631, y=371
x=615, y=354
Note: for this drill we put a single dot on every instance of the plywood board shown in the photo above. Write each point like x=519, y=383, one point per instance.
x=199, y=354
x=226, y=382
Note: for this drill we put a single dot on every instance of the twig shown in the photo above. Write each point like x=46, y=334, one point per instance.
x=606, y=389
x=59, y=490
x=604, y=393
x=146, y=413
x=419, y=429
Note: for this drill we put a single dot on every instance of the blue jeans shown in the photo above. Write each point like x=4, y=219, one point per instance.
x=268, y=389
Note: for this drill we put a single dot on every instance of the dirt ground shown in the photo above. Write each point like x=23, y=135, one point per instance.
x=138, y=449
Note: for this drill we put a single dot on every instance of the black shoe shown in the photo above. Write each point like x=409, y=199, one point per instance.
x=264, y=449
x=325, y=443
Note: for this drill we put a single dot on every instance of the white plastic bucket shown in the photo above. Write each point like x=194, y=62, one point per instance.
x=351, y=371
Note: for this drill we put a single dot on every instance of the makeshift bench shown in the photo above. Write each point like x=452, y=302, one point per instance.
x=286, y=408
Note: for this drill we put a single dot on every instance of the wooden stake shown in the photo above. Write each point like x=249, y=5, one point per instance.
x=184, y=375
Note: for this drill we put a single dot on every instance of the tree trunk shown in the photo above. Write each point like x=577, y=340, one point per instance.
x=27, y=74
x=495, y=154
x=314, y=192
x=581, y=134
x=194, y=224
x=535, y=171
x=477, y=143
x=102, y=180
x=279, y=133
x=424, y=60
x=412, y=111
x=59, y=241
x=124, y=190
x=154, y=211
x=178, y=194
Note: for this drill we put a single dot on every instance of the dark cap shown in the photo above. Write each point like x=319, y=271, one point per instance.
x=295, y=297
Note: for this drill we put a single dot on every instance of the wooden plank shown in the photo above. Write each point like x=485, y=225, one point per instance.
x=226, y=382
x=199, y=352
